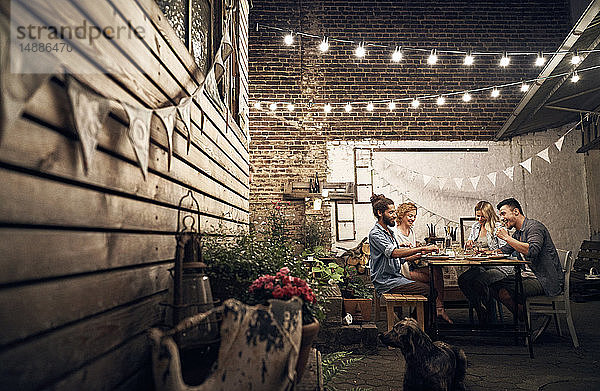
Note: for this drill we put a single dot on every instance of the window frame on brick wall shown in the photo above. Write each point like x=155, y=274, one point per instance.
x=339, y=221
x=358, y=165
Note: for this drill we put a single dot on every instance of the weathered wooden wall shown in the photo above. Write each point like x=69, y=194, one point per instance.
x=85, y=259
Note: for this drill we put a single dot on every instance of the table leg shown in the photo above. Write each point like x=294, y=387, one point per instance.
x=421, y=315
x=390, y=315
x=431, y=304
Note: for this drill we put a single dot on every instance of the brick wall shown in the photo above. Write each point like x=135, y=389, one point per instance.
x=292, y=145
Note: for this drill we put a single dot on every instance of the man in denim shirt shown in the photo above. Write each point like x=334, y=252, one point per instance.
x=386, y=256
x=532, y=242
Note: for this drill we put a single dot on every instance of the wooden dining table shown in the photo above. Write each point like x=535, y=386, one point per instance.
x=433, y=261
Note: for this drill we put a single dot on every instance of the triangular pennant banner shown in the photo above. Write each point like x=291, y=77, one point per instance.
x=442, y=182
x=89, y=112
x=492, y=177
x=526, y=165
x=226, y=46
x=426, y=179
x=510, y=172
x=544, y=155
x=475, y=181
x=559, y=143
x=139, y=133
x=184, y=114
x=168, y=115
x=458, y=182
x=218, y=66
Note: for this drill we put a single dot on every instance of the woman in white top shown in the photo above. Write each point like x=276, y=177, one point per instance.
x=475, y=282
x=406, y=214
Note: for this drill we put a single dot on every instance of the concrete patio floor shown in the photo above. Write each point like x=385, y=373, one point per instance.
x=495, y=364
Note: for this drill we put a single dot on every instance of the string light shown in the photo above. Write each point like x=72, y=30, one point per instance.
x=348, y=107
x=524, y=87
x=469, y=59
x=466, y=97
x=440, y=100
x=290, y=107
x=576, y=59
x=289, y=39
x=257, y=105
x=505, y=60
x=575, y=77
x=360, y=50
x=370, y=106
x=324, y=46
x=495, y=93
x=273, y=106
x=392, y=105
x=432, y=59
x=415, y=103
x=327, y=108
x=540, y=60
x=397, y=55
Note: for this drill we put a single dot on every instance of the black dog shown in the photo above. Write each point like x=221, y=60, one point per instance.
x=430, y=366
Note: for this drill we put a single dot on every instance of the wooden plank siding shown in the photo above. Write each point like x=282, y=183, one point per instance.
x=85, y=257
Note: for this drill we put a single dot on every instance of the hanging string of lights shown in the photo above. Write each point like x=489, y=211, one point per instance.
x=440, y=99
x=397, y=51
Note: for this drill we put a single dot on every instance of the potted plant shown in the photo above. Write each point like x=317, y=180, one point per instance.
x=283, y=286
x=358, y=298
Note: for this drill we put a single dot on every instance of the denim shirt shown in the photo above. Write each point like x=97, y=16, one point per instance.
x=385, y=271
x=542, y=254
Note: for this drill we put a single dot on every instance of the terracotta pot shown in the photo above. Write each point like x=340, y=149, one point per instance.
x=359, y=306
x=309, y=333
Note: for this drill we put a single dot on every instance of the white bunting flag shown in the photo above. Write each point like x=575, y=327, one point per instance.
x=544, y=155
x=458, y=182
x=492, y=177
x=426, y=179
x=139, y=133
x=559, y=143
x=89, y=112
x=442, y=182
x=526, y=165
x=218, y=66
x=184, y=114
x=510, y=172
x=226, y=46
x=167, y=116
x=475, y=181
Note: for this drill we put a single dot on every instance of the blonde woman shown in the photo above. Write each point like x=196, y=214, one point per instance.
x=475, y=282
x=406, y=215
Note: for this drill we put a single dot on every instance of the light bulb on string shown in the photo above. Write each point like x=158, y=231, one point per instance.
x=524, y=87
x=575, y=78
x=289, y=39
x=440, y=100
x=495, y=93
x=433, y=58
x=505, y=60
x=576, y=59
x=360, y=50
x=540, y=60
x=397, y=55
x=392, y=105
x=273, y=106
x=327, y=108
x=415, y=103
x=466, y=97
x=257, y=105
x=291, y=107
x=370, y=106
x=324, y=45
x=469, y=59
x=348, y=107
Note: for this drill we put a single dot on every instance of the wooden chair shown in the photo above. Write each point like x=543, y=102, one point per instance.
x=551, y=304
x=393, y=300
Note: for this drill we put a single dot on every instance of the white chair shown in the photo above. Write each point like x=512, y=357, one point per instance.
x=551, y=305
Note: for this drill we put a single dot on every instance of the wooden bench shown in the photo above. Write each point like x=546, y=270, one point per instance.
x=393, y=300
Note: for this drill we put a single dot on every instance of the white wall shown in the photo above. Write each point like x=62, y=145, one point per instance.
x=553, y=193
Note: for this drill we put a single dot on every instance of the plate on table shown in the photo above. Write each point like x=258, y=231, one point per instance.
x=477, y=258
x=496, y=257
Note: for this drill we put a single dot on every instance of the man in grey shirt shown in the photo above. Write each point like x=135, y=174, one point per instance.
x=531, y=242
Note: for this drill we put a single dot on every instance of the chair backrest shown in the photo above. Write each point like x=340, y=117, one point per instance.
x=566, y=262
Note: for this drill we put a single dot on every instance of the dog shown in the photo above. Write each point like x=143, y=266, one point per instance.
x=430, y=366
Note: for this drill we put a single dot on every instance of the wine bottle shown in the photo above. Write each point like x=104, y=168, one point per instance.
x=317, y=184
x=311, y=188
